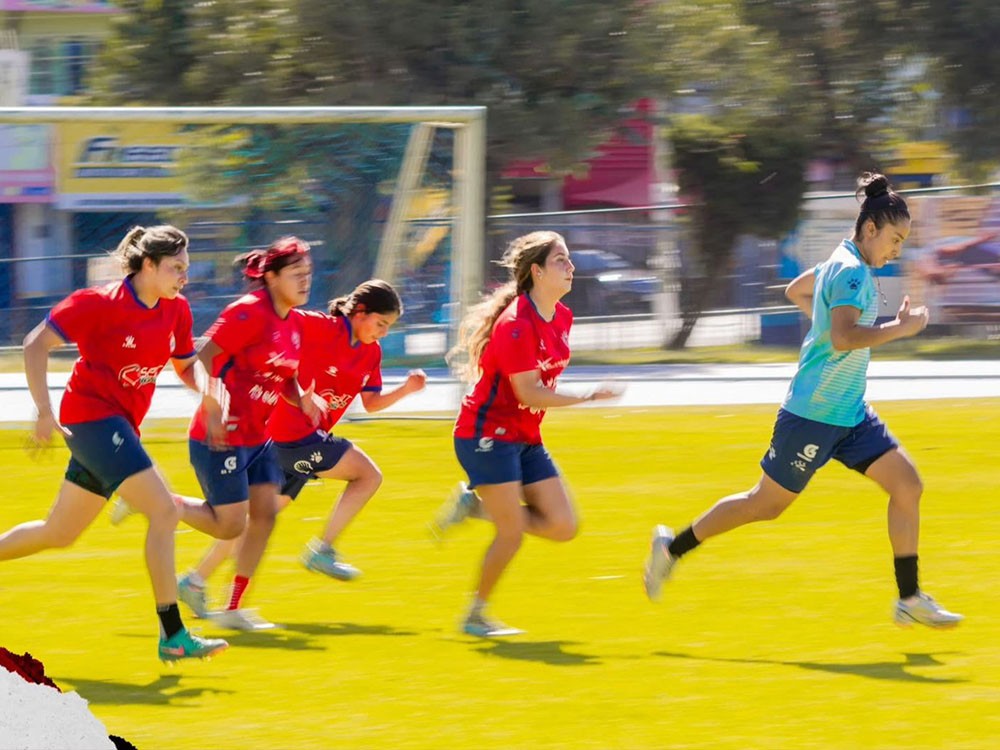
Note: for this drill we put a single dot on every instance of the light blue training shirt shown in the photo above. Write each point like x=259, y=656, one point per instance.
x=829, y=385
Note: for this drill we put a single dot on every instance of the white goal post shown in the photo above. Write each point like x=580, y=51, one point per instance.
x=468, y=173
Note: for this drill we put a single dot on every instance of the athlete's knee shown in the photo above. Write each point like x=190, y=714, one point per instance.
x=370, y=477
x=164, y=515
x=510, y=528
x=230, y=526
x=59, y=538
x=563, y=528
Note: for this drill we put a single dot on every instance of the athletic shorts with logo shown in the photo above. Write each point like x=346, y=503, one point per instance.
x=303, y=459
x=226, y=475
x=103, y=454
x=800, y=446
x=489, y=461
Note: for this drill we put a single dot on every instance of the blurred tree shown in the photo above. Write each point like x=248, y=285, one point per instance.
x=555, y=74
x=960, y=39
x=740, y=131
x=748, y=183
x=846, y=58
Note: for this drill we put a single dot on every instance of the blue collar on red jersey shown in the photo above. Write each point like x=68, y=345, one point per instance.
x=131, y=290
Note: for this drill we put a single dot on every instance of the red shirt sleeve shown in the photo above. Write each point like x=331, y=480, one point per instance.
x=74, y=317
x=515, y=346
x=237, y=326
x=183, y=337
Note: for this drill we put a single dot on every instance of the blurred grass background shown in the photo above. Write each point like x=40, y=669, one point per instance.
x=777, y=635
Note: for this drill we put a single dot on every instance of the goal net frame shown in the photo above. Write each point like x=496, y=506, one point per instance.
x=468, y=179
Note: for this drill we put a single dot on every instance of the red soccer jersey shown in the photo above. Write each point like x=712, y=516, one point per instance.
x=123, y=346
x=260, y=352
x=341, y=371
x=521, y=341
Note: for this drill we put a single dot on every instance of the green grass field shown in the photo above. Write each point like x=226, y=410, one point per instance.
x=775, y=636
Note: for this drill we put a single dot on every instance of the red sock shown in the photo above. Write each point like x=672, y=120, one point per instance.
x=240, y=584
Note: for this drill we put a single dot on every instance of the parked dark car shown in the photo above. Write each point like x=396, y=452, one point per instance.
x=604, y=283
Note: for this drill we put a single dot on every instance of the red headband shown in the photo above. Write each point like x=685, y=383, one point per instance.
x=260, y=261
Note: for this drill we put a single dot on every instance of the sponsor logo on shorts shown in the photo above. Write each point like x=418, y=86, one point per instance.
x=303, y=467
x=805, y=457
x=485, y=445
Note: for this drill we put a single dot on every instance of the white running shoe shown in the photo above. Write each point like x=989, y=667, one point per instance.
x=196, y=597
x=660, y=562
x=120, y=511
x=924, y=611
x=246, y=620
x=481, y=626
x=322, y=558
x=462, y=504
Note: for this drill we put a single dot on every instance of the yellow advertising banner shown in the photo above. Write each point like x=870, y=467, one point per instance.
x=119, y=166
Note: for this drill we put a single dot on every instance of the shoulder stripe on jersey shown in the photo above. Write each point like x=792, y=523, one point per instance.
x=226, y=368
x=62, y=334
x=485, y=408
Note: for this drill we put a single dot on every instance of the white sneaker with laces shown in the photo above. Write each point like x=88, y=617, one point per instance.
x=120, y=511
x=462, y=504
x=923, y=610
x=246, y=620
x=660, y=562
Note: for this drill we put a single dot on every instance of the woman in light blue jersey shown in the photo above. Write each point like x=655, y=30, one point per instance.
x=825, y=416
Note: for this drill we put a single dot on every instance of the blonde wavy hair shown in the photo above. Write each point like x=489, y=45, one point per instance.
x=477, y=325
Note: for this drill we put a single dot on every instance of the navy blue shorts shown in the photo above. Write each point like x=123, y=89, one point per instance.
x=226, y=476
x=104, y=453
x=494, y=462
x=303, y=459
x=800, y=446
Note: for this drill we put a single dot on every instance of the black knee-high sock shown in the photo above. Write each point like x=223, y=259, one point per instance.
x=906, y=575
x=683, y=543
x=170, y=619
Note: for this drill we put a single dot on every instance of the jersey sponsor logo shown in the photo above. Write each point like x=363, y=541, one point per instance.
x=485, y=445
x=336, y=401
x=136, y=376
x=257, y=393
x=129, y=342
x=549, y=364
x=277, y=360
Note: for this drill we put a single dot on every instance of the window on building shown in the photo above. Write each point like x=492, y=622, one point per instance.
x=59, y=65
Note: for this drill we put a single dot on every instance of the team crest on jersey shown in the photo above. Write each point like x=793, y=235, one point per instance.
x=331, y=371
x=854, y=283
